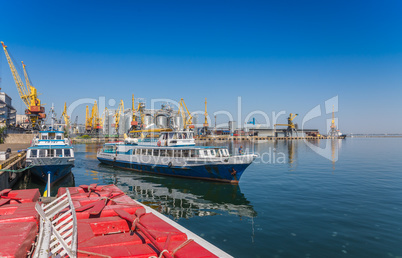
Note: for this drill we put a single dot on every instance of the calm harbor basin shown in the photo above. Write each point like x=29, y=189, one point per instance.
x=291, y=202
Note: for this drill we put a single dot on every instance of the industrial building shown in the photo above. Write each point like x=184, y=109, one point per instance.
x=8, y=113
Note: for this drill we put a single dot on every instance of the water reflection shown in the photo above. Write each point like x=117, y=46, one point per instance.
x=181, y=198
x=29, y=182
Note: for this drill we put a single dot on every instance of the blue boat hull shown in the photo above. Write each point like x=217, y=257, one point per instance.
x=229, y=173
x=57, y=172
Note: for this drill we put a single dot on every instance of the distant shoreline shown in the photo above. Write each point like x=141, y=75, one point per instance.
x=374, y=136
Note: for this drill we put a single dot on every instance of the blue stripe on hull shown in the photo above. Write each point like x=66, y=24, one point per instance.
x=57, y=172
x=221, y=172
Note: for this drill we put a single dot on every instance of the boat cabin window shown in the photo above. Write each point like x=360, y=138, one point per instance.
x=145, y=152
x=155, y=152
x=109, y=149
x=171, y=135
x=44, y=137
x=33, y=153
x=42, y=153
x=177, y=153
x=186, y=153
x=169, y=153
x=58, y=137
x=58, y=152
x=162, y=153
x=67, y=153
x=213, y=153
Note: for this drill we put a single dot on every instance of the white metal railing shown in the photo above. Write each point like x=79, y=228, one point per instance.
x=57, y=229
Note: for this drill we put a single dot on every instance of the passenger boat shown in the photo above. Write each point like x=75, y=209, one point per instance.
x=50, y=153
x=177, y=157
x=166, y=138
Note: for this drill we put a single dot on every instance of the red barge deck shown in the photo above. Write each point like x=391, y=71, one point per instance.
x=108, y=223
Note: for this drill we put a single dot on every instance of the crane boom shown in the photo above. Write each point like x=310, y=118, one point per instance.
x=117, y=116
x=187, y=120
x=20, y=85
x=28, y=93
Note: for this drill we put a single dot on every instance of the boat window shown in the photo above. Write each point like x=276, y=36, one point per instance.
x=146, y=152
x=226, y=153
x=33, y=153
x=184, y=135
x=49, y=153
x=155, y=152
x=194, y=153
x=58, y=137
x=67, y=153
x=42, y=153
x=186, y=153
x=175, y=136
x=169, y=153
x=58, y=152
x=177, y=153
x=44, y=137
x=171, y=135
x=162, y=153
x=164, y=136
x=213, y=153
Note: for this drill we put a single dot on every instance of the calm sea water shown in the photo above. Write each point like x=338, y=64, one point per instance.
x=291, y=202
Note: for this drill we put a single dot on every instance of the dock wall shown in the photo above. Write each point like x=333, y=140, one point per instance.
x=19, y=138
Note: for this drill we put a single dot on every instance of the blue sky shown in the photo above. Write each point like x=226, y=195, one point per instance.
x=276, y=55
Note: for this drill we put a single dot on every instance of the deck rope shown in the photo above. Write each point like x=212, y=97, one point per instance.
x=91, y=253
x=182, y=245
x=17, y=170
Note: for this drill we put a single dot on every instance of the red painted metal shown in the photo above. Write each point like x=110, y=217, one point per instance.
x=18, y=221
x=111, y=224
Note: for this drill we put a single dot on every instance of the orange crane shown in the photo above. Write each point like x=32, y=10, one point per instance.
x=28, y=94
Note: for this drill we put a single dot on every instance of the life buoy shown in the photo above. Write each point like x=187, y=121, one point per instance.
x=158, y=143
x=170, y=164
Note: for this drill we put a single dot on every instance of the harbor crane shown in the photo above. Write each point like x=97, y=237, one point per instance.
x=93, y=123
x=117, y=116
x=206, y=115
x=88, y=121
x=187, y=118
x=134, y=122
x=333, y=132
x=291, y=127
x=28, y=94
x=65, y=117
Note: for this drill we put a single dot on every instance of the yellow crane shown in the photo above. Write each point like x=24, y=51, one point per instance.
x=28, y=94
x=103, y=117
x=65, y=117
x=134, y=122
x=119, y=112
x=206, y=114
x=291, y=127
x=187, y=119
x=88, y=120
x=93, y=123
x=97, y=120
